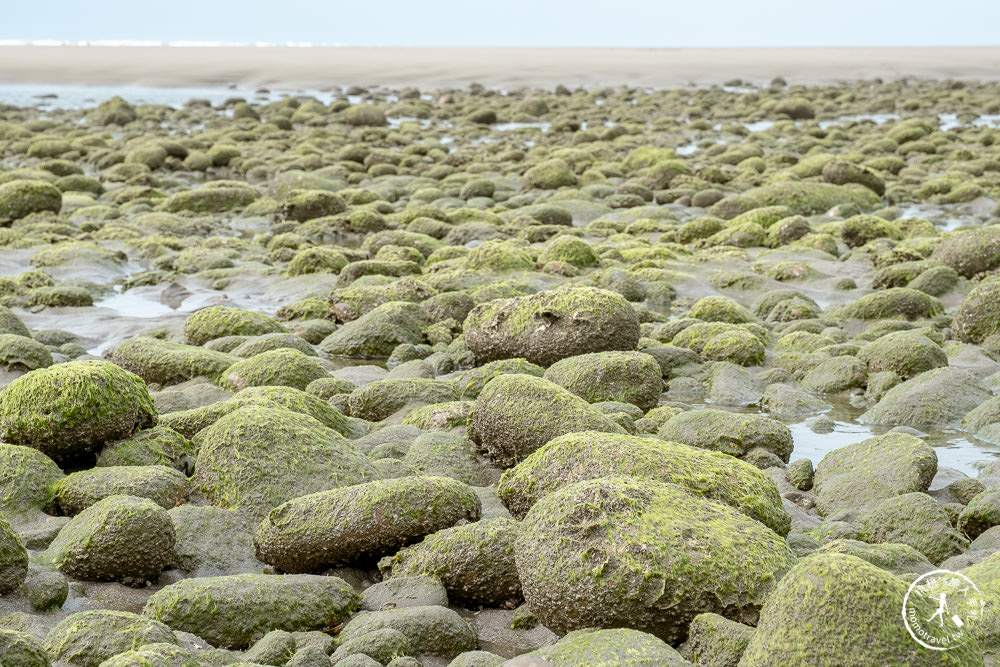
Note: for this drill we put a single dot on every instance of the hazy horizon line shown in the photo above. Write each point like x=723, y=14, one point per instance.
x=129, y=43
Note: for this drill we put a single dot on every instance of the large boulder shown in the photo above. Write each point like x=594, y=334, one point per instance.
x=591, y=455
x=548, y=326
x=728, y=432
x=432, y=630
x=645, y=555
x=852, y=477
x=27, y=481
x=978, y=316
x=471, y=382
x=19, y=649
x=475, y=562
x=255, y=458
x=283, y=367
x=934, y=399
x=212, y=542
x=508, y=424
x=621, y=647
x=120, y=538
x=157, y=446
x=167, y=363
x=88, y=638
x=70, y=409
x=218, y=321
x=905, y=353
x=813, y=618
x=165, y=486
x=914, y=519
x=628, y=377
x=970, y=252
x=231, y=612
x=362, y=522
x=13, y=558
x=377, y=333
x=23, y=197
x=377, y=400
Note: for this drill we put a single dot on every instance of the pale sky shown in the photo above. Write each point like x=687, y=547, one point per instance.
x=594, y=23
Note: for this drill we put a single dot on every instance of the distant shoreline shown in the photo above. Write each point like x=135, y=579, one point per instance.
x=320, y=67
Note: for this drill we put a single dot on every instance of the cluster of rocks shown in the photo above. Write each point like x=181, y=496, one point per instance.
x=521, y=397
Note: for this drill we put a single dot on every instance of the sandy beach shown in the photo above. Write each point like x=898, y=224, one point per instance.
x=494, y=67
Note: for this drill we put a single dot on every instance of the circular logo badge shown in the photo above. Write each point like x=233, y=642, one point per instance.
x=939, y=607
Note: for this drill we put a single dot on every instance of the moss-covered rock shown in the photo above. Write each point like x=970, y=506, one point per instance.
x=970, y=252
x=978, y=316
x=935, y=398
x=507, y=425
x=591, y=455
x=498, y=257
x=450, y=455
x=719, y=309
x=283, y=367
x=811, y=618
x=382, y=645
x=629, y=377
x=842, y=172
x=167, y=363
x=165, y=486
x=801, y=197
x=546, y=327
x=295, y=400
x=471, y=382
x=212, y=542
x=119, y=538
x=377, y=400
x=981, y=514
x=378, y=332
x=475, y=562
x=213, y=197
x=255, y=458
x=728, y=432
x=218, y=321
x=10, y=323
x=549, y=175
x=232, y=612
x=569, y=249
x=19, y=649
x=622, y=646
x=361, y=522
x=27, y=482
x=22, y=197
x=905, y=353
x=154, y=655
x=88, y=638
x=13, y=558
x=157, y=446
x=316, y=260
x=899, y=559
x=860, y=229
x=852, y=477
x=19, y=353
x=914, y=519
x=432, y=630
x=715, y=641
x=304, y=205
x=895, y=302
x=665, y=557
x=836, y=374
x=734, y=346
x=73, y=408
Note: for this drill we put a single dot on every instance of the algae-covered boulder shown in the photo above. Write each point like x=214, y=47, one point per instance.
x=665, y=556
x=27, y=481
x=167, y=363
x=970, y=251
x=628, y=377
x=380, y=645
x=450, y=455
x=19, y=649
x=981, y=514
x=218, y=321
x=715, y=640
x=378, y=332
x=212, y=542
x=899, y=559
x=23, y=197
x=19, y=353
x=73, y=408
x=283, y=367
x=295, y=400
x=836, y=374
x=894, y=303
x=621, y=647
x=914, y=519
x=471, y=382
x=508, y=425
x=851, y=477
x=119, y=538
x=255, y=458
x=157, y=446
x=978, y=316
x=13, y=558
x=937, y=398
x=812, y=618
x=305, y=205
x=432, y=630
x=212, y=197
x=230, y=612
x=728, y=432
x=591, y=455
x=905, y=353
x=548, y=326
x=475, y=562
x=165, y=486
x=801, y=198
x=719, y=309
x=549, y=175
x=10, y=323
x=154, y=655
x=377, y=400
x=860, y=229
x=361, y=522
x=88, y=638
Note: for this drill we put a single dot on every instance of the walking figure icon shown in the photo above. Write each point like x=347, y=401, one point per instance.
x=941, y=610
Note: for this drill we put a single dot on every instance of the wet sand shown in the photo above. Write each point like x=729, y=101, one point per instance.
x=504, y=68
